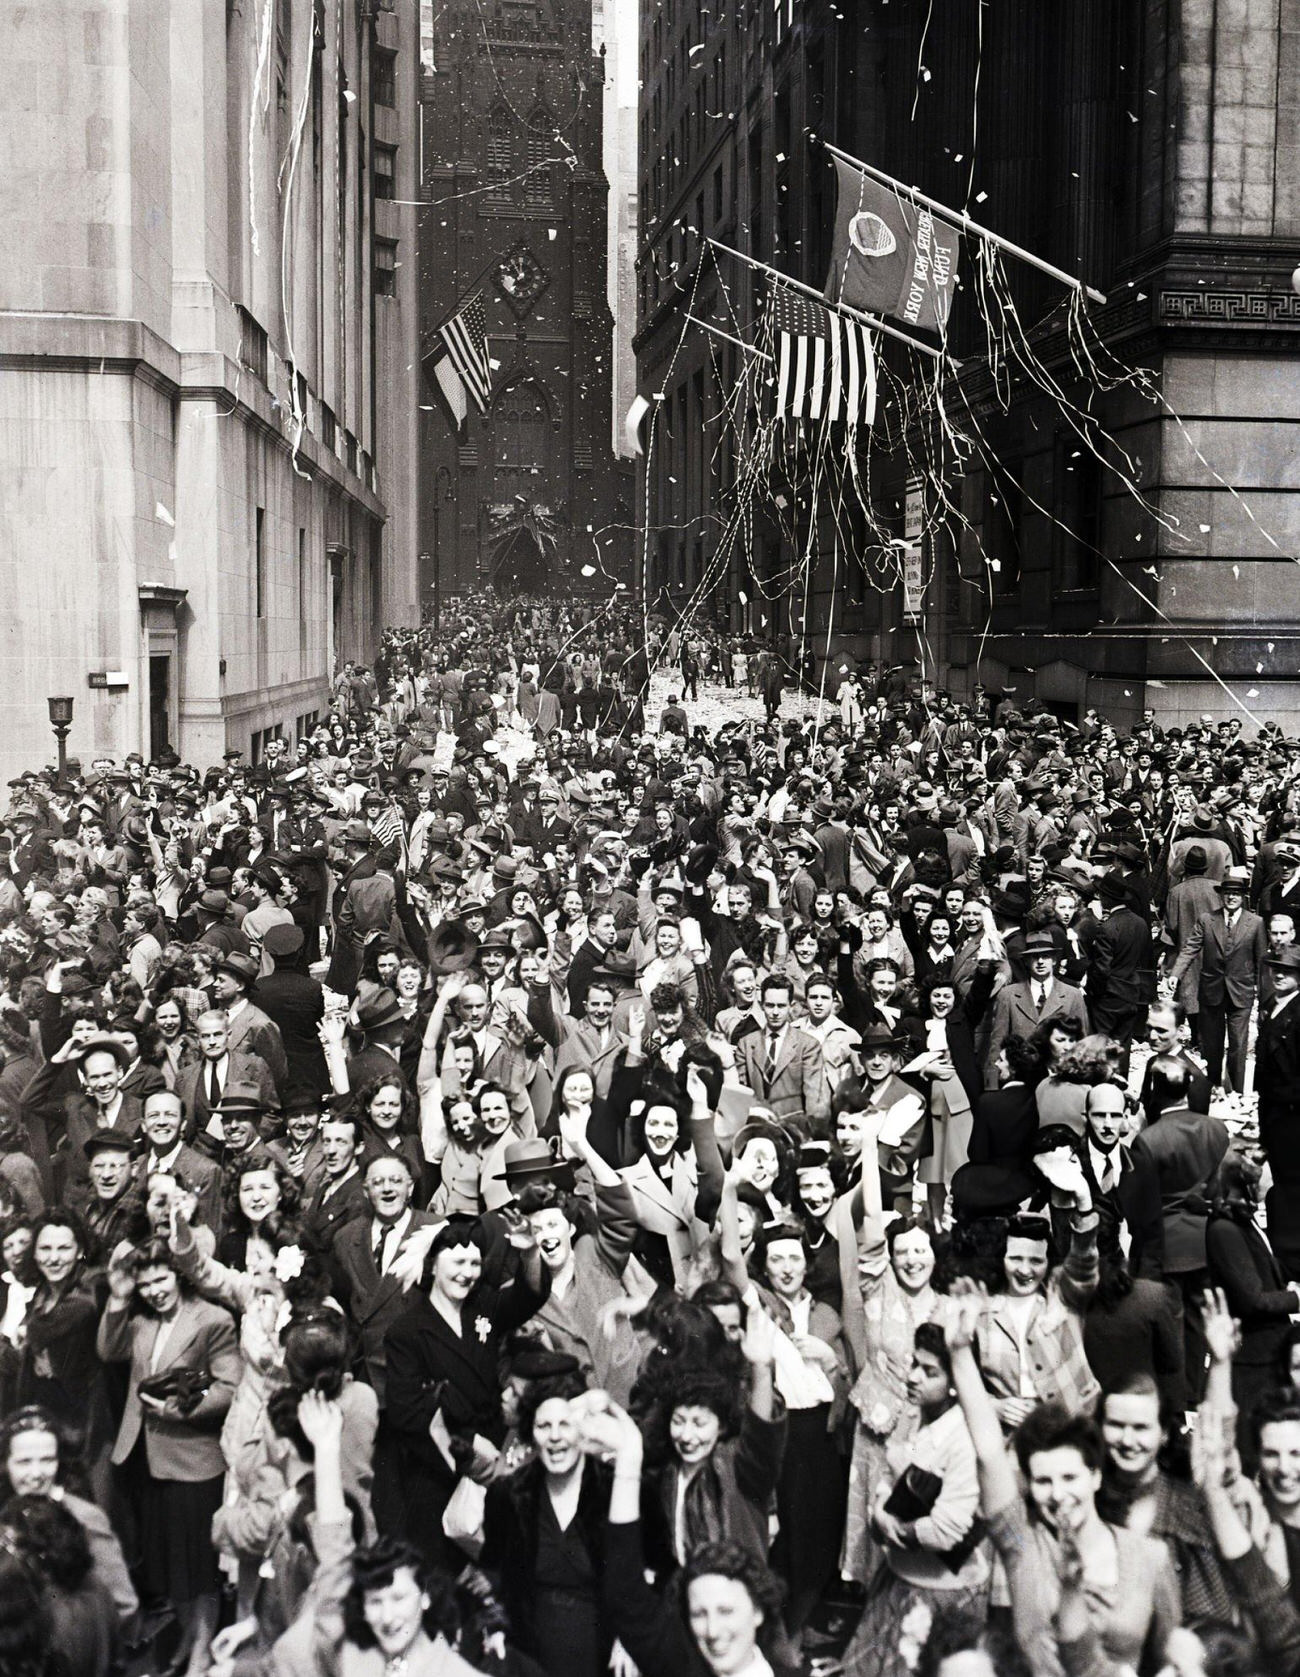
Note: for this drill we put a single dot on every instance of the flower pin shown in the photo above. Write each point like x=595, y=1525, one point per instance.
x=288, y=1263
x=482, y=1327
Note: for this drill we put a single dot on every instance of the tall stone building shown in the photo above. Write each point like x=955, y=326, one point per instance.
x=529, y=496
x=1149, y=149
x=208, y=365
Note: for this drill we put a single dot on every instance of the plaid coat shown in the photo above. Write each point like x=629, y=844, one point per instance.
x=1058, y=1367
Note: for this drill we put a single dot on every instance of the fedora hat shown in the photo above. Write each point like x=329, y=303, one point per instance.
x=532, y=1161
x=243, y=967
x=1235, y=879
x=243, y=1100
x=379, y=1008
x=1040, y=943
x=1110, y=889
x=879, y=1036
x=1287, y=959
x=105, y=1045
x=452, y=948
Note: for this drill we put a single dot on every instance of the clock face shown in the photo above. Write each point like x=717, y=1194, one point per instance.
x=521, y=279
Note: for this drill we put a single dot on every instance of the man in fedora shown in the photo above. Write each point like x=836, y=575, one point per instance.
x=1230, y=943
x=249, y=1029
x=1121, y=976
x=1019, y=1009
x=235, y=1127
x=72, y=1117
x=1277, y=1068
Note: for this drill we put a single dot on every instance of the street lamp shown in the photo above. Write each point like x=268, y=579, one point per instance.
x=61, y=722
x=444, y=493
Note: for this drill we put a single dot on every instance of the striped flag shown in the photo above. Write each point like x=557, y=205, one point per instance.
x=825, y=363
x=461, y=367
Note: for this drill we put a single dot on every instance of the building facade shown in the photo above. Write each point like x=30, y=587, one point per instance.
x=208, y=366
x=527, y=497
x=1149, y=149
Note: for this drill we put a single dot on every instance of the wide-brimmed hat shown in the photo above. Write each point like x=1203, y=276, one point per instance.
x=1235, y=879
x=532, y=1161
x=1287, y=959
x=241, y=1100
x=243, y=967
x=379, y=1008
x=452, y=948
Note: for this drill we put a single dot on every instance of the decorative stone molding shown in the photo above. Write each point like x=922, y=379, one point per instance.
x=1231, y=308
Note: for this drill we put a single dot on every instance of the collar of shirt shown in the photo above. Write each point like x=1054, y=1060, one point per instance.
x=384, y=1231
x=164, y=1161
x=106, y=1116
x=236, y=1008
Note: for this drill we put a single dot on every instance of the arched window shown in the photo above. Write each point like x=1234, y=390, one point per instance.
x=500, y=148
x=521, y=439
x=542, y=149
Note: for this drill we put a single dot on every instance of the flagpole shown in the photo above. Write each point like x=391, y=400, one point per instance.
x=964, y=221
x=749, y=349
x=840, y=308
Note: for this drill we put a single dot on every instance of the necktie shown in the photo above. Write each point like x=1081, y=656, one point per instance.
x=1038, y=998
x=214, y=1086
x=382, y=1241
x=769, y=1064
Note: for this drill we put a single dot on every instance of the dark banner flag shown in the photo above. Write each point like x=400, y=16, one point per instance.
x=891, y=257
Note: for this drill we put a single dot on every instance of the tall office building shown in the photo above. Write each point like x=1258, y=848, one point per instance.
x=1149, y=150
x=208, y=365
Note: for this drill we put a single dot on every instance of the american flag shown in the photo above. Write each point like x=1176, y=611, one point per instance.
x=462, y=367
x=826, y=367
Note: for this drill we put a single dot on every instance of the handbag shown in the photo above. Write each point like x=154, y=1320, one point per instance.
x=914, y=1494
x=185, y=1387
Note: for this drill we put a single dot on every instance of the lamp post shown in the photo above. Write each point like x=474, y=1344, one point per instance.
x=61, y=722
x=444, y=494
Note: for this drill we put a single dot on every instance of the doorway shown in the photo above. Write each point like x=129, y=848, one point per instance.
x=160, y=682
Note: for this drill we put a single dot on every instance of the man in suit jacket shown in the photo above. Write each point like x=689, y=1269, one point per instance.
x=1277, y=1068
x=1121, y=977
x=340, y=1193
x=364, y=1251
x=1185, y=1148
x=782, y=1064
x=1166, y=1031
x=1126, y=1192
x=166, y=1154
x=1019, y=1009
x=295, y=1004
x=1231, y=944
x=201, y=1085
x=251, y=1030
x=72, y=1117
x=593, y=1041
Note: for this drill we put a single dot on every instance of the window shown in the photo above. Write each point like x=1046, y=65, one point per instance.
x=385, y=268
x=1076, y=537
x=1003, y=523
x=259, y=562
x=302, y=592
x=541, y=149
x=500, y=152
x=521, y=431
x=384, y=159
x=383, y=76
x=718, y=199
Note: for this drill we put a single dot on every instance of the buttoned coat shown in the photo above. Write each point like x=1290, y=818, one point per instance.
x=373, y=1301
x=798, y=1082
x=1014, y=1015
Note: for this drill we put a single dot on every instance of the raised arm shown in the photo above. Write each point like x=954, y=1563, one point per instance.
x=997, y=1473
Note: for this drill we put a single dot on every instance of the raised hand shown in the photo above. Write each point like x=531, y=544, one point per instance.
x=759, y=1343
x=121, y=1273
x=1222, y=1331
x=963, y=1311
x=320, y=1418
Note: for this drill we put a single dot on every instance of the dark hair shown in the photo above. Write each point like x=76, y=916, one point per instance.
x=406, y=1122
x=1170, y=1080
x=1052, y=1427
x=236, y=1224
x=1233, y=1190
x=773, y=982
x=51, y=1538
x=929, y=1337
x=318, y=1347
x=1280, y=1405
x=546, y=1196
x=374, y=1568
x=728, y=1559
x=1024, y=1059
x=538, y=1392
x=905, y=1225
x=57, y=1217
x=24, y=1623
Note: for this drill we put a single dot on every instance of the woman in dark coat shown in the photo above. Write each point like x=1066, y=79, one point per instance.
x=1242, y=1263
x=443, y=1356
x=544, y=1530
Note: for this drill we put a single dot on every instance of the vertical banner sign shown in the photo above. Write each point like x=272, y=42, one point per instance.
x=913, y=572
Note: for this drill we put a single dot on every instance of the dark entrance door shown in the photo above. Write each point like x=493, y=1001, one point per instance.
x=160, y=678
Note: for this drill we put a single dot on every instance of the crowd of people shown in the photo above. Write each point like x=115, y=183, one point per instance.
x=523, y=1181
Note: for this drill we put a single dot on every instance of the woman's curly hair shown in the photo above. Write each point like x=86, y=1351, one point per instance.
x=374, y=1568
x=728, y=1559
